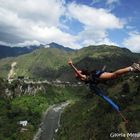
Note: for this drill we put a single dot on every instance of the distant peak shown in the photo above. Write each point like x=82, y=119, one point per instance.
x=55, y=45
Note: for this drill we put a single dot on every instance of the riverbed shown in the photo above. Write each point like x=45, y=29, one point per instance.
x=50, y=122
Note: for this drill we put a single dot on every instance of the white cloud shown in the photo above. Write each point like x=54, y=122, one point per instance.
x=27, y=43
x=91, y=36
x=54, y=34
x=96, y=24
x=4, y=43
x=103, y=41
x=96, y=37
x=96, y=18
x=46, y=11
x=22, y=44
x=133, y=42
x=112, y=1
x=95, y=1
x=34, y=21
x=130, y=27
x=112, y=4
x=21, y=16
x=107, y=1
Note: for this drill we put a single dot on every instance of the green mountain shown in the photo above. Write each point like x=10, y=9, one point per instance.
x=55, y=45
x=7, y=51
x=88, y=117
x=51, y=63
x=91, y=118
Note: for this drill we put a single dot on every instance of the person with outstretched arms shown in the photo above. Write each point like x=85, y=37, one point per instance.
x=95, y=75
x=93, y=78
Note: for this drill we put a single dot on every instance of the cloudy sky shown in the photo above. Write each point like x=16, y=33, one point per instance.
x=72, y=23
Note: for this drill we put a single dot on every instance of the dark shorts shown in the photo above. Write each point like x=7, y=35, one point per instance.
x=97, y=73
x=94, y=76
x=94, y=79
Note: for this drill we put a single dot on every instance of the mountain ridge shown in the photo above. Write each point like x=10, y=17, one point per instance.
x=8, y=51
x=51, y=63
x=55, y=45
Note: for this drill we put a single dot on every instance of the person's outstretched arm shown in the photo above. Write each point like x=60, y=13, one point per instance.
x=78, y=72
x=73, y=67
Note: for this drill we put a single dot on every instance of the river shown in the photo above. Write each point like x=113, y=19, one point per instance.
x=50, y=122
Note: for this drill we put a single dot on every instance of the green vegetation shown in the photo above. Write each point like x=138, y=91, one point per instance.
x=93, y=119
x=51, y=63
x=29, y=108
x=88, y=117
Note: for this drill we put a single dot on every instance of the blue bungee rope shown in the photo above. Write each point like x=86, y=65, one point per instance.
x=100, y=93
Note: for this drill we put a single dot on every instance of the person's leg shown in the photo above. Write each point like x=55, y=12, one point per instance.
x=115, y=74
x=107, y=75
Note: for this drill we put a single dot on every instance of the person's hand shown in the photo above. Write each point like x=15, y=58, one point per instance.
x=70, y=62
